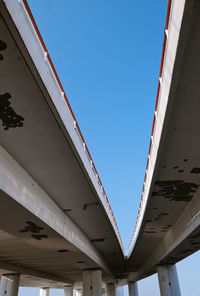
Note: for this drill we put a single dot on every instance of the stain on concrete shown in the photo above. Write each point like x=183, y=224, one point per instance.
x=195, y=171
x=9, y=117
x=39, y=236
x=35, y=229
x=150, y=231
x=85, y=206
x=160, y=215
x=31, y=227
x=98, y=240
x=175, y=190
x=3, y=46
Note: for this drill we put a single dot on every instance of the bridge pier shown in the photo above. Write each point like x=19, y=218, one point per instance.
x=9, y=285
x=92, y=283
x=44, y=292
x=111, y=289
x=133, y=289
x=68, y=291
x=168, y=280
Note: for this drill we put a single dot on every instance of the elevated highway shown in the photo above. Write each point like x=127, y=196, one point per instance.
x=57, y=228
x=56, y=220
x=167, y=229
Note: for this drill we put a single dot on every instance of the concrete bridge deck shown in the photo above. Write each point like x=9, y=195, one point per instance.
x=56, y=224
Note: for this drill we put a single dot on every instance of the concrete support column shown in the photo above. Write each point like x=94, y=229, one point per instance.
x=15, y=278
x=9, y=285
x=4, y=286
x=68, y=291
x=133, y=289
x=44, y=292
x=168, y=280
x=92, y=283
x=111, y=289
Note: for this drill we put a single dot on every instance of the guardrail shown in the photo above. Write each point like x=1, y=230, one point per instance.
x=69, y=109
x=155, y=115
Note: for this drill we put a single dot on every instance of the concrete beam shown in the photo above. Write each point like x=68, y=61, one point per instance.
x=32, y=272
x=17, y=183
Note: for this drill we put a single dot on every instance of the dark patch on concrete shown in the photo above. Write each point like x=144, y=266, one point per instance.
x=63, y=251
x=175, y=190
x=80, y=262
x=148, y=231
x=67, y=210
x=39, y=236
x=175, y=167
x=155, y=208
x=9, y=117
x=185, y=160
x=98, y=240
x=195, y=171
x=3, y=46
x=31, y=227
x=85, y=206
x=160, y=216
x=180, y=171
x=148, y=221
x=35, y=229
x=164, y=167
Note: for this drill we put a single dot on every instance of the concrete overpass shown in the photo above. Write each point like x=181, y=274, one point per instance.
x=57, y=228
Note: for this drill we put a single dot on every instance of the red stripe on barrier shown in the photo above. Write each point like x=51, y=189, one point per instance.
x=156, y=102
x=67, y=102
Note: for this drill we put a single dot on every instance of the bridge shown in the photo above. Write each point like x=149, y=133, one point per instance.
x=57, y=229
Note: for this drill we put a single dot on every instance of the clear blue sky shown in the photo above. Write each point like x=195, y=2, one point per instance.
x=107, y=55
